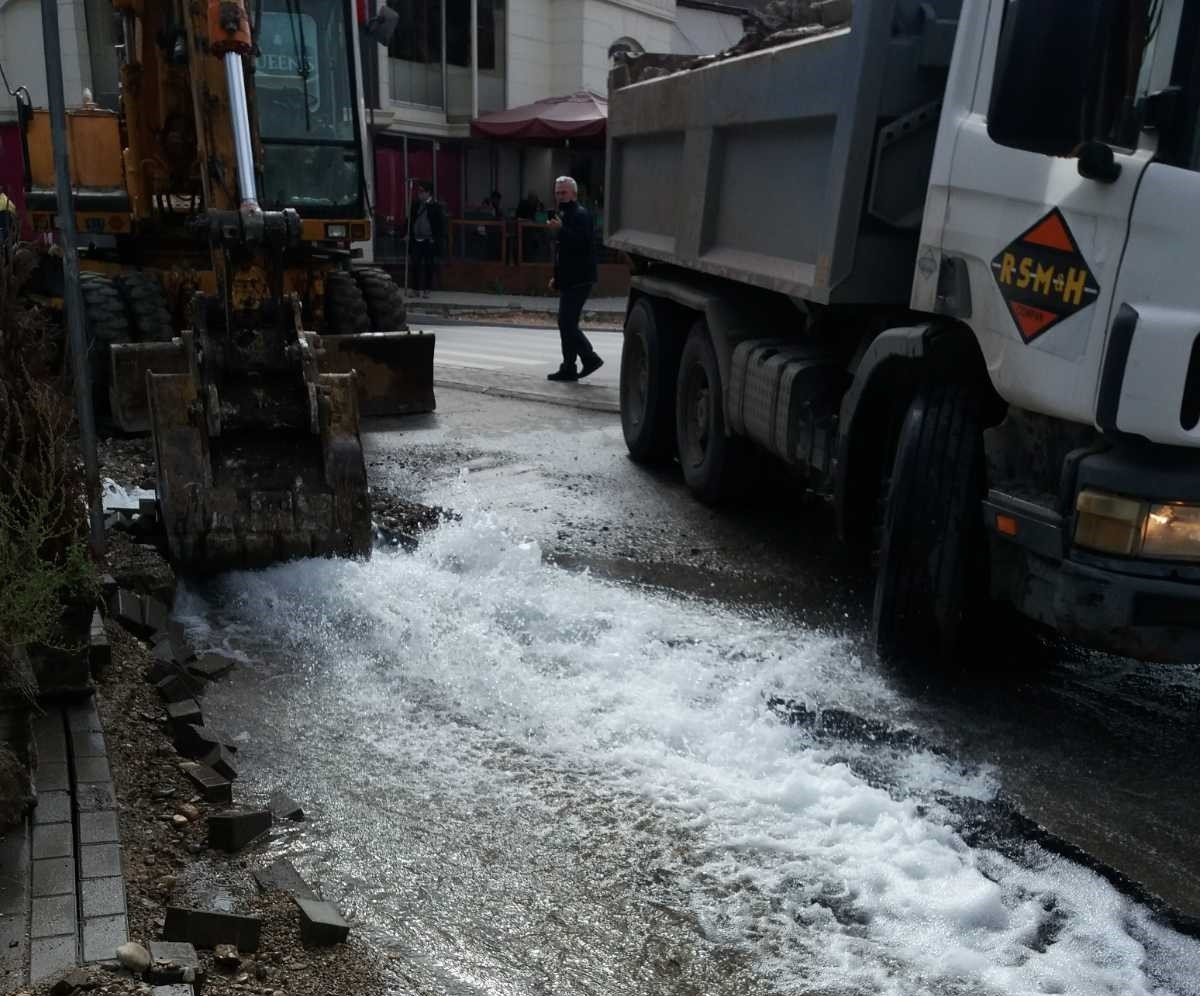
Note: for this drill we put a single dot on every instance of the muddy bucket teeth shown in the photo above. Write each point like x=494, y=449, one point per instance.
x=246, y=498
x=395, y=369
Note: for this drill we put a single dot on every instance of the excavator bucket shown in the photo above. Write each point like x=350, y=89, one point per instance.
x=261, y=474
x=129, y=362
x=395, y=369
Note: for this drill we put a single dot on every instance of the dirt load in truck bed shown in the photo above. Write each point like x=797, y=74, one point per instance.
x=779, y=22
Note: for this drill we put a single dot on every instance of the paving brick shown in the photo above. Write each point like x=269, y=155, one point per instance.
x=53, y=840
x=102, y=896
x=320, y=922
x=284, y=807
x=177, y=687
x=51, y=738
x=50, y=955
x=99, y=860
x=154, y=614
x=281, y=874
x=53, y=916
x=212, y=786
x=54, y=877
x=206, y=929
x=92, y=769
x=127, y=610
x=14, y=907
x=53, y=777
x=84, y=719
x=94, y=797
x=233, y=830
x=173, y=962
x=180, y=989
x=185, y=713
x=52, y=807
x=99, y=646
x=198, y=740
x=222, y=762
x=48, y=724
x=108, y=587
x=102, y=936
x=88, y=745
x=98, y=828
x=212, y=666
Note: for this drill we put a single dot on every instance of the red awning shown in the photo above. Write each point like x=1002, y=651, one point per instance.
x=580, y=115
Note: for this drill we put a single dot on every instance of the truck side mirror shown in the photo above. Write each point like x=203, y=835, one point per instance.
x=382, y=26
x=1047, y=73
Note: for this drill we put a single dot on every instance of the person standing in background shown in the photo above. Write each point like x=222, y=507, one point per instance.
x=426, y=230
x=574, y=275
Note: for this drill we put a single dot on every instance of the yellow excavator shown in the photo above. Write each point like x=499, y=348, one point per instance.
x=225, y=311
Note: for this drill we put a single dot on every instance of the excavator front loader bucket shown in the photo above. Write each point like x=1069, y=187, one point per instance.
x=129, y=362
x=245, y=498
x=395, y=369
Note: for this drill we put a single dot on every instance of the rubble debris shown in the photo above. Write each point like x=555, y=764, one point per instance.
x=173, y=961
x=134, y=957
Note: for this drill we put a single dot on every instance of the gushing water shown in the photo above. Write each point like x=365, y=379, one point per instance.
x=542, y=782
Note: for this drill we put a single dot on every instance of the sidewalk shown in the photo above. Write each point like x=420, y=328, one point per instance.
x=450, y=302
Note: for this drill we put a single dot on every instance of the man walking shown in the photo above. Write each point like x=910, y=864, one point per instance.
x=574, y=274
x=426, y=229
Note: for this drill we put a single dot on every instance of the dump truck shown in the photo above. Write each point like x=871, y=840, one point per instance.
x=934, y=260
x=223, y=308
x=146, y=185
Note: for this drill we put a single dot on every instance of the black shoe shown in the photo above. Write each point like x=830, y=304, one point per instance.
x=563, y=373
x=591, y=365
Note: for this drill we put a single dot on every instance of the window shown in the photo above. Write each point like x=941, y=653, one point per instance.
x=458, y=34
x=418, y=36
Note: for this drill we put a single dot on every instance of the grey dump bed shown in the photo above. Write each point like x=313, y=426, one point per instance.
x=800, y=168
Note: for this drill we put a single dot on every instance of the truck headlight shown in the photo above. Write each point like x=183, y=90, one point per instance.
x=336, y=231
x=1172, y=532
x=1129, y=527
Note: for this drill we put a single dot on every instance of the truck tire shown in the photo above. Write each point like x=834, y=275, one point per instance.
x=385, y=301
x=649, y=366
x=714, y=463
x=932, y=575
x=106, y=321
x=147, y=301
x=345, y=307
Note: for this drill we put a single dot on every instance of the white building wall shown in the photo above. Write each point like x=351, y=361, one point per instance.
x=704, y=32
x=530, y=68
x=649, y=22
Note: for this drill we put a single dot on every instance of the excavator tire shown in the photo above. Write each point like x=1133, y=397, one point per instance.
x=107, y=322
x=147, y=301
x=345, y=307
x=385, y=301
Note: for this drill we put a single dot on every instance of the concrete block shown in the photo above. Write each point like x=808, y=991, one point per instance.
x=98, y=828
x=102, y=935
x=281, y=875
x=54, y=877
x=94, y=797
x=211, y=785
x=154, y=614
x=127, y=610
x=52, y=807
x=284, y=807
x=220, y=759
x=102, y=896
x=48, y=956
x=84, y=718
x=71, y=982
x=185, y=712
x=53, y=840
x=148, y=507
x=206, y=928
x=163, y=650
x=231, y=831
x=99, y=861
x=173, y=962
x=108, y=588
x=211, y=666
x=88, y=745
x=178, y=687
x=179, y=989
x=99, y=647
x=92, y=769
x=320, y=922
x=53, y=916
x=199, y=741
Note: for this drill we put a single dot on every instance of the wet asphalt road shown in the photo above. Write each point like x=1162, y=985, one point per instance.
x=479, y=778
x=1101, y=751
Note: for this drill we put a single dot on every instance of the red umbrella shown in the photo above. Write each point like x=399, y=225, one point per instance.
x=580, y=115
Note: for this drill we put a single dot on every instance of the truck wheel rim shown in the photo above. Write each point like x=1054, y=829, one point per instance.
x=697, y=427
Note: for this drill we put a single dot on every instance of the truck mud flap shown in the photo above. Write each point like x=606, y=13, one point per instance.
x=395, y=369
x=129, y=363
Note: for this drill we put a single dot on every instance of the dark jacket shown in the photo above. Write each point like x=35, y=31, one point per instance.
x=575, y=254
x=437, y=219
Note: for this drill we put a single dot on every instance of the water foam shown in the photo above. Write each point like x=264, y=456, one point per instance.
x=832, y=881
